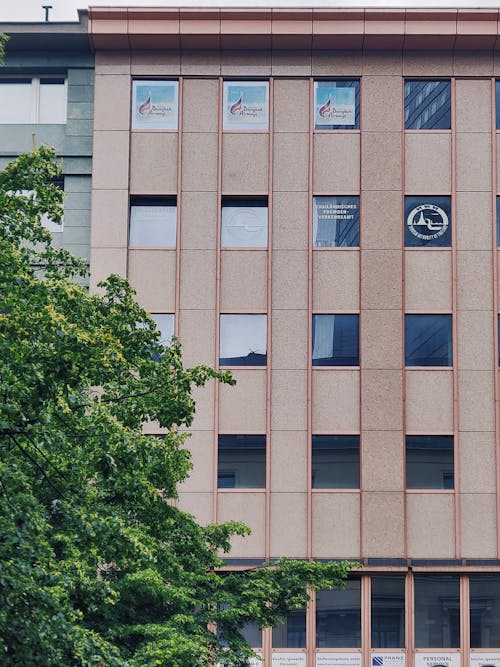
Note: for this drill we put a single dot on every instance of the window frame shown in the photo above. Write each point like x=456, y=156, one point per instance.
x=153, y=201
x=261, y=362
x=243, y=203
x=171, y=124
x=318, y=105
x=433, y=470
x=35, y=82
x=410, y=80
x=235, y=441
x=323, y=362
x=408, y=361
x=231, y=125
x=340, y=205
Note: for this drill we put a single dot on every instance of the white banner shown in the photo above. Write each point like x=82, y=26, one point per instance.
x=155, y=105
x=246, y=105
x=289, y=660
x=485, y=660
x=435, y=659
x=338, y=659
x=388, y=659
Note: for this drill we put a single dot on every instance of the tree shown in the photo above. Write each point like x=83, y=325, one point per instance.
x=97, y=566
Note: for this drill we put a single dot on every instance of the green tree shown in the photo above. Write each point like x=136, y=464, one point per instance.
x=97, y=566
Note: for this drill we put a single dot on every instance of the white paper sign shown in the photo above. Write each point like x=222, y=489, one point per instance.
x=485, y=660
x=338, y=659
x=334, y=106
x=289, y=660
x=155, y=105
x=246, y=105
x=388, y=659
x=435, y=659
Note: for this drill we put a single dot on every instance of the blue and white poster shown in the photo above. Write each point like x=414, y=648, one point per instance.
x=246, y=105
x=334, y=106
x=155, y=105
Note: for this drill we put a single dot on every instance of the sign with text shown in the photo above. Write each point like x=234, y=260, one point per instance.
x=338, y=659
x=289, y=660
x=379, y=659
x=246, y=105
x=336, y=222
x=334, y=105
x=155, y=105
x=485, y=660
x=434, y=659
x=427, y=221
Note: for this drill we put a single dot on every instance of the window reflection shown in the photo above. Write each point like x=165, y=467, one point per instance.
x=388, y=612
x=335, y=340
x=437, y=611
x=428, y=340
x=338, y=617
x=243, y=340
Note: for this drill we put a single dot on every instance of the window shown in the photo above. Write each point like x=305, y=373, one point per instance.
x=427, y=221
x=335, y=462
x=484, y=611
x=497, y=103
x=336, y=105
x=155, y=105
x=428, y=340
x=427, y=105
x=335, y=340
x=153, y=223
x=388, y=611
x=241, y=462
x=291, y=633
x=33, y=100
x=498, y=207
x=244, y=223
x=246, y=105
x=48, y=223
x=165, y=324
x=243, y=340
x=429, y=462
x=437, y=611
x=336, y=222
x=338, y=617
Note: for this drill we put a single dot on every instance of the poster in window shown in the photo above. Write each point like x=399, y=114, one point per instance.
x=485, y=660
x=289, y=660
x=244, y=226
x=427, y=221
x=155, y=105
x=334, y=105
x=434, y=659
x=336, y=222
x=252, y=662
x=338, y=659
x=393, y=659
x=153, y=226
x=246, y=105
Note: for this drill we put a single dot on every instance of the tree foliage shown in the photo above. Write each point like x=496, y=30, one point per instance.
x=97, y=565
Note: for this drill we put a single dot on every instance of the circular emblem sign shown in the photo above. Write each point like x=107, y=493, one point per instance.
x=427, y=222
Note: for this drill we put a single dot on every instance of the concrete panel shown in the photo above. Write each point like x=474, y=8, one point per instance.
x=112, y=62
x=429, y=401
x=243, y=280
x=386, y=328
x=201, y=477
x=199, y=162
x=287, y=290
x=290, y=63
x=474, y=292
x=475, y=340
x=288, y=446
x=336, y=520
x=382, y=62
x=244, y=163
x=114, y=116
x=336, y=163
x=248, y=508
x=202, y=95
x=382, y=108
x=478, y=539
x=480, y=65
x=153, y=163
x=381, y=221
x=473, y=161
x=198, y=220
x=335, y=405
x=197, y=349
x=289, y=339
x=473, y=104
x=383, y=525
x=381, y=273
x=381, y=402
x=197, y=279
x=200, y=63
x=111, y=155
x=476, y=453
x=159, y=63
x=110, y=218
x=290, y=211
x=343, y=63
x=474, y=220
x=475, y=400
x=381, y=148
x=106, y=261
x=427, y=64
x=291, y=157
x=243, y=408
x=431, y=525
x=286, y=542
x=197, y=504
x=336, y=280
x=427, y=162
x=289, y=398
x=382, y=460
x=152, y=274
x=431, y=268
x=291, y=105
x=245, y=63
x=204, y=399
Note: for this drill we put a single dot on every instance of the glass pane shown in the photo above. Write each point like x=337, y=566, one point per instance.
x=241, y=462
x=246, y=105
x=338, y=617
x=335, y=461
x=427, y=221
x=336, y=222
x=52, y=101
x=429, y=462
x=437, y=611
x=388, y=612
x=252, y=635
x=243, y=340
x=427, y=105
x=428, y=340
x=153, y=225
x=336, y=105
x=291, y=633
x=335, y=340
x=16, y=101
x=485, y=611
x=165, y=324
x=244, y=225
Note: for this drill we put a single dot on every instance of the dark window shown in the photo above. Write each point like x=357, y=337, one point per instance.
x=252, y=635
x=241, y=462
x=243, y=340
x=388, y=612
x=244, y=223
x=335, y=340
x=429, y=462
x=336, y=105
x=485, y=611
x=427, y=221
x=336, y=222
x=338, y=617
x=335, y=461
x=291, y=633
x=437, y=611
x=428, y=340
x=427, y=105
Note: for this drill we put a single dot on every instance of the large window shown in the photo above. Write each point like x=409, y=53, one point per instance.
x=427, y=105
x=335, y=462
x=165, y=325
x=485, y=611
x=336, y=222
x=428, y=340
x=335, y=340
x=33, y=100
x=429, y=462
x=246, y=105
x=155, y=105
x=338, y=617
x=241, y=462
x=437, y=611
x=427, y=221
x=388, y=612
x=153, y=223
x=336, y=105
x=243, y=340
x=244, y=223
x=291, y=633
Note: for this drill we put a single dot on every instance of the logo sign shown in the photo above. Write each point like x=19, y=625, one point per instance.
x=388, y=659
x=336, y=222
x=244, y=226
x=427, y=221
x=155, y=105
x=338, y=659
x=437, y=659
x=485, y=660
x=246, y=105
x=334, y=105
